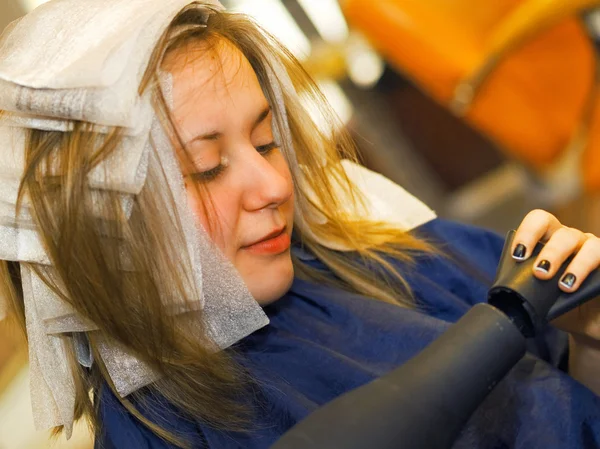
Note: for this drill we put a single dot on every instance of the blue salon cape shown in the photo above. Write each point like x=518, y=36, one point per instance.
x=323, y=342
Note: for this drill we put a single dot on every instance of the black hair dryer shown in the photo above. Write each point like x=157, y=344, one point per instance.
x=426, y=402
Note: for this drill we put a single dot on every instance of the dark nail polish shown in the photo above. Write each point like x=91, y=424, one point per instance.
x=568, y=280
x=519, y=252
x=544, y=266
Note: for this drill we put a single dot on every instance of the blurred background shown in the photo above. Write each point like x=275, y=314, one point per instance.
x=483, y=110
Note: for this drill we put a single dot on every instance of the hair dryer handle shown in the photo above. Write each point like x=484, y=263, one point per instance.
x=532, y=302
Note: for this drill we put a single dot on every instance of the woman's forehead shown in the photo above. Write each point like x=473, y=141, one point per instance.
x=203, y=66
x=209, y=73
x=213, y=83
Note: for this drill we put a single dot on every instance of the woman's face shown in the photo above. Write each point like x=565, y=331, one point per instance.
x=224, y=118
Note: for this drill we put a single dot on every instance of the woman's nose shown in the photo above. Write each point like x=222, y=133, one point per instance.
x=268, y=182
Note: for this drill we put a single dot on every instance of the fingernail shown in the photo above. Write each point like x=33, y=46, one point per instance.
x=543, y=266
x=568, y=280
x=519, y=252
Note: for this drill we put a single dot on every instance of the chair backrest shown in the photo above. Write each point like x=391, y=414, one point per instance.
x=590, y=162
x=414, y=34
x=533, y=102
x=481, y=17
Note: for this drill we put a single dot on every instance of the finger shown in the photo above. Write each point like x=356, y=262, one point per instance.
x=584, y=262
x=561, y=245
x=537, y=225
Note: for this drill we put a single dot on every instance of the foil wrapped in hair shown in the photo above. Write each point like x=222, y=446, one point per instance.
x=83, y=60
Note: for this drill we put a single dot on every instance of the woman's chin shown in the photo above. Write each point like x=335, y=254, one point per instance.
x=271, y=281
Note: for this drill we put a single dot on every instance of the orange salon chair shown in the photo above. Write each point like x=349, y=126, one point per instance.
x=523, y=72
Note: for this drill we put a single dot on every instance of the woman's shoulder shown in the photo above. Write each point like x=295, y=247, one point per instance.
x=460, y=252
x=459, y=270
x=455, y=237
x=445, y=282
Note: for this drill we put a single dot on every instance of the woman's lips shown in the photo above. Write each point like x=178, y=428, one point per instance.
x=273, y=245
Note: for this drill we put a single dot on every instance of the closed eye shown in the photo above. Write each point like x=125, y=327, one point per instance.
x=213, y=173
x=265, y=149
x=208, y=175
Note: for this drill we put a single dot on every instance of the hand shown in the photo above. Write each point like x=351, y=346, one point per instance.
x=560, y=243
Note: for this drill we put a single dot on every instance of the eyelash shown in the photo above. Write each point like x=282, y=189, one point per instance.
x=213, y=173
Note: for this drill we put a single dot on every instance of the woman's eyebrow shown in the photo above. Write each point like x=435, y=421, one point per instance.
x=263, y=115
x=215, y=135
x=212, y=135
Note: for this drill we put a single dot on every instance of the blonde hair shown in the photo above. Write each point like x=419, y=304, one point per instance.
x=86, y=267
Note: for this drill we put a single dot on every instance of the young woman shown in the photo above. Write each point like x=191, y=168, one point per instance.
x=349, y=293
